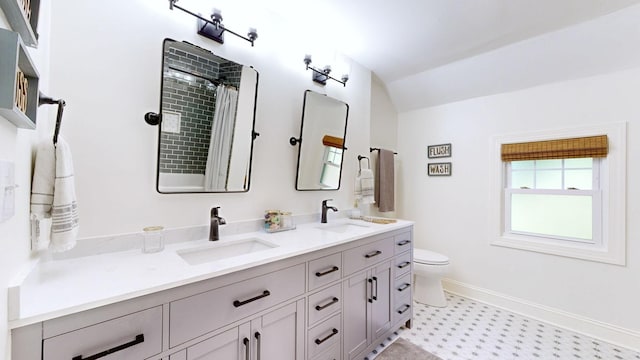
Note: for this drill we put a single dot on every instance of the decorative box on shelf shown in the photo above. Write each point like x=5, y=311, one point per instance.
x=18, y=82
x=23, y=15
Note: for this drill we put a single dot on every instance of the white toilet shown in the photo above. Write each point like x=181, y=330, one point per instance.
x=429, y=268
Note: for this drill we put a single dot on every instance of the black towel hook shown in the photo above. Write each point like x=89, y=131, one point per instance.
x=45, y=100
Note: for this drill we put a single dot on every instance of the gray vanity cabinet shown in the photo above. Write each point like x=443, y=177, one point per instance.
x=367, y=308
x=367, y=295
x=336, y=303
x=274, y=335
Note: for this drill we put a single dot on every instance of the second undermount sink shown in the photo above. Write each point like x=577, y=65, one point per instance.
x=224, y=250
x=342, y=227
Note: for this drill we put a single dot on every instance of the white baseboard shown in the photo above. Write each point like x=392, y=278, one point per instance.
x=596, y=329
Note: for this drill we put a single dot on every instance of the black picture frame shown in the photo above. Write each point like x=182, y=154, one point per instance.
x=439, y=151
x=439, y=169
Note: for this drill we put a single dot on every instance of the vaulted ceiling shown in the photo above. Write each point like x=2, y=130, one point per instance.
x=404, y=41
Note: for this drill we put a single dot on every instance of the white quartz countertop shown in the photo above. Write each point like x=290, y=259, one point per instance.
x=56, y=288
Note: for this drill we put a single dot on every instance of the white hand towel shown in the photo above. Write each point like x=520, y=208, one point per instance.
x=53, y=196
x=44, y=173
x=364, y=187
x=64, y=212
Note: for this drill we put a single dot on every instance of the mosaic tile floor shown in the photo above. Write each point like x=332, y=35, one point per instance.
x=467, y=329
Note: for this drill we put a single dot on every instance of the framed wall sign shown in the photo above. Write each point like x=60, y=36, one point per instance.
x=439, y=169
x=439, y=151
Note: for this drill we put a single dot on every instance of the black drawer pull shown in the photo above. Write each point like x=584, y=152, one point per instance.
x=238, y=303
x=320, y=341
x=333, y=269
x=333, y=301
x=404, y=287
x=138, y=340
x=406, y=307
x=375, y=253
x=404, y=265
x=404, y=242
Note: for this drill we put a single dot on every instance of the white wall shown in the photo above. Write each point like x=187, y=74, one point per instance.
x=105, y=62
x=16, y=145
x=384, y=134
x=451, y=213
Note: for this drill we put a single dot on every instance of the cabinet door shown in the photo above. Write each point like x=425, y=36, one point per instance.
x=232, y=345
x=355, y=291
x=381, y=314
x=279, y=334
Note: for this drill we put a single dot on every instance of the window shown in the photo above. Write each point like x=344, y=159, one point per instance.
x=330, y=176
x=556, y=199
x=562, y=193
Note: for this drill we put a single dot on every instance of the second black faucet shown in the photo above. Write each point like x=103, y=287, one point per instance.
x=324, y=210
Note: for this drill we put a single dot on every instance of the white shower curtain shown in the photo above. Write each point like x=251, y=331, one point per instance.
x=215, y=175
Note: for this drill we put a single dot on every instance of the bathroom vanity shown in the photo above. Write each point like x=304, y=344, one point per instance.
x=320, y=292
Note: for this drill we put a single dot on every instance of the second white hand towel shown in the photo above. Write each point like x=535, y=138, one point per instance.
x=364, y=187
x=64, y=213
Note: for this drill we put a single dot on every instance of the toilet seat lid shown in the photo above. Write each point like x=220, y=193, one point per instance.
x=423, y=256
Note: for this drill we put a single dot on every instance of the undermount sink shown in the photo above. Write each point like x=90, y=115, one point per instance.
x=342, y=227
x=224, y=250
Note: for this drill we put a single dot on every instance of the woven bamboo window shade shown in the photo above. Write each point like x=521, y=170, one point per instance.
x=333, y=141
x=584, y=147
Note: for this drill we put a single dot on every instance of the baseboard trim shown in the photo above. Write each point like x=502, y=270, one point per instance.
x=596, y=329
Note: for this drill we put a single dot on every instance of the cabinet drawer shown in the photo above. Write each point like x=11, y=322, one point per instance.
x=331, y=354
x=402, y=264
x=361, y=257
x=324, y=303
x=201, y=313
x=138, y=336
x=402, y=242
x=324, y=335
x=325, y=270
x=402, y=309
x=402, y=287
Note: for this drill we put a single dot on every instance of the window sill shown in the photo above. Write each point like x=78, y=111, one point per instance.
x=597, y=253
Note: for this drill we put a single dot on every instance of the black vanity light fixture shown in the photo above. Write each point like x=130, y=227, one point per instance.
x=321, y=76
x=213, y=29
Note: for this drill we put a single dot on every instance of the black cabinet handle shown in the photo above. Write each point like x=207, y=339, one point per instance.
x=333, y=269
x=257, y=336
x=404, y=265
x=370, y=281
x=404, y=287
x=375, y=253
x=333, y=332
x=138, y=340
x=375, y=297
x=404, y=242
x=245, y=341
x=238, y=303
x=406, y=307
x=333, y=301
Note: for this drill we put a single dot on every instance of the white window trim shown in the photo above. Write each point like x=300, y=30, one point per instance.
x=613, y=177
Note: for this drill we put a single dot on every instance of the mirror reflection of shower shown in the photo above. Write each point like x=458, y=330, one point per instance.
x=207, y=126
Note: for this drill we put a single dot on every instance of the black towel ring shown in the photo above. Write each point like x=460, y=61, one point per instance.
x=360, y=157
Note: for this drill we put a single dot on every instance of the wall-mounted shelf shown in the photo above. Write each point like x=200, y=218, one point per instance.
x=15, y=57
x=23, y=24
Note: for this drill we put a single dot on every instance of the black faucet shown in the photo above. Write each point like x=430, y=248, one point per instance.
x=324, y=210
x=216, y=221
